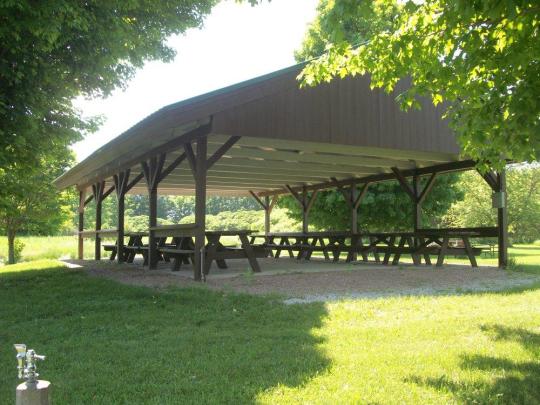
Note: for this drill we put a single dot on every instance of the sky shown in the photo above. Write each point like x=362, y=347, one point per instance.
x=237, y=42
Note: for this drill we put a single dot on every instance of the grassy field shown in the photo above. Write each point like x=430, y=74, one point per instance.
x=47, y=247
x=110, y=343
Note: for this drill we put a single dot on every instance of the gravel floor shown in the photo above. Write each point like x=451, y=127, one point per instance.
x=300, y=282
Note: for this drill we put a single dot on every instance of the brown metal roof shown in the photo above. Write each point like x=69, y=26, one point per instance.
x=289, y=135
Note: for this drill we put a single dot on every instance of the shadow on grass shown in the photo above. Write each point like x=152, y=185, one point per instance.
x=111, y=343
x=508, y=381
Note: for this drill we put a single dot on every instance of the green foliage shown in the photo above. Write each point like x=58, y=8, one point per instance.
x=28, y=201
x=139, y=223
x=385, y=207
x=248, y=219
x=523, y=190
x=171, y=210
x=480, y=58
x=54, y=51
x=18, y=247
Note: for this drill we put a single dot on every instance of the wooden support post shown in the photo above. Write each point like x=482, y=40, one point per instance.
x=305, y=203
x=416, y=193
x=417, y=209
x=200, y=168
x=121, y=183
x=152, y=170
x=354, y=211
x=267, y=212
x=305, y=212
x=267, y=206
x=97, y=190
x=152, y=222
x=497, y=183
x=502, y=221
x=81, y=224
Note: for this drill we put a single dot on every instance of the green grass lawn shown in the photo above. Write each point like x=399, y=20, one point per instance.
x=48, y=247
x=110, y=343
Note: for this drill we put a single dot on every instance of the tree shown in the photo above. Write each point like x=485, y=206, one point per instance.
x=385, y=207
x=54, y=51
x=475, y=209
x=32, y=204
x=479, y=57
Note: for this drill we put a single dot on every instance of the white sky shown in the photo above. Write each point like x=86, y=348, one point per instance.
x=237, y=42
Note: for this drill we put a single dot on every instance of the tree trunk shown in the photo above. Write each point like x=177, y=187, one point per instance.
x=11, y=247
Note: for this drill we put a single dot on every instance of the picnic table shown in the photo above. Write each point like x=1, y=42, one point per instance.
x=330, y=244
x=182, y=249
x=391, y=246
x=176, y=243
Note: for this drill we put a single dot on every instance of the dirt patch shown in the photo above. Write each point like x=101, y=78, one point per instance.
x=325, y=281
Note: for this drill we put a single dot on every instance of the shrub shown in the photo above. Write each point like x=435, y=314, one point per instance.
x=17, y=250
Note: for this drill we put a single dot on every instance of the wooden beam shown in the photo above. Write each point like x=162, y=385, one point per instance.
x=273, y=202
x=358, y=151
x=442, y=168
x=221, y=151
x=311, y=200
x=156, y=175
x=176, y=143
x=404, y=184
x=295, y=195
x=173, y=165
x=90, y=198
x=360, y=196
x=135, y=181
x=191, y=158
x=256, y=197
x=491, y=179
x=346, y=194
x=108, y=192
x=427, y=188
x=271, y=154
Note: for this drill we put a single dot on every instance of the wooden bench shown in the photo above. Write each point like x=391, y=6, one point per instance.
x=179, y=256
x=111, y=248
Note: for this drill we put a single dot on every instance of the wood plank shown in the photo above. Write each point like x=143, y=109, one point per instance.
x=279, y=155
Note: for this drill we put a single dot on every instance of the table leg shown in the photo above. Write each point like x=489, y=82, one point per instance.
x=324, y=249
x=362, y=250
x=442, y=253
x=299, y=242
x=313, y=244
x=221, y=263
x=413, y=246
x=269, y=241
x=288, y=248
x=249, y=253
x=397, y=256
x=469, y=250
x=210, y=252
x=351, y=255
x=391, y=243
x=373, y=246
x=423, y=245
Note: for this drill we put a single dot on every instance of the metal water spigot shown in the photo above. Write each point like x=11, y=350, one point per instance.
x=26, y=363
